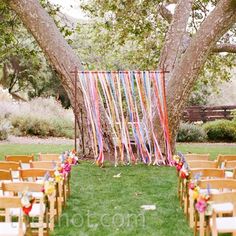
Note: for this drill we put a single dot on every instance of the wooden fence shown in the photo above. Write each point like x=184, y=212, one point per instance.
x=202, y=113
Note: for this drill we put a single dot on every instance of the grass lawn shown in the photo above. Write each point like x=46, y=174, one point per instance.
x=10, y=149
x=103, y=205
x=211, y=148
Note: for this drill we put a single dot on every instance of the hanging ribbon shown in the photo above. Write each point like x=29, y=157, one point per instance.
x=127, y=98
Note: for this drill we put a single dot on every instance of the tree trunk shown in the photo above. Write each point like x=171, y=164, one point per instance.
x=175, y=36
x=61, y=56
x=186, y=70
x=184, y=67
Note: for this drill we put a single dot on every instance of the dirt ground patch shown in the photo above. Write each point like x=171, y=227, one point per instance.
x=52, y=140
x=36, y=140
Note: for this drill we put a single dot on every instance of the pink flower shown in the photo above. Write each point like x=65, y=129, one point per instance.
x=191, y=185
x=179, y=166
x=201, y=205
x=67, y=167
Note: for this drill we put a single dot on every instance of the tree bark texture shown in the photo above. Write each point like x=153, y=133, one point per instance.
x=174, y=38
x=58, y=52
x=186, y=69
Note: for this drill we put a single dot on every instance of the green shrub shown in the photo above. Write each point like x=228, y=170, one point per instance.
x=233, y=113
x=221, y=130
x=5, y=128
x=24, y=125
x=191, y=133
x=40, y=117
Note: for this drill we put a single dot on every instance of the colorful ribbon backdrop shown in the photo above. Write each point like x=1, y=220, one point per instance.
x=128, y=98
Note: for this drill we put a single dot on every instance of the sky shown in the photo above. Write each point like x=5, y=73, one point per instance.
x=70, y=7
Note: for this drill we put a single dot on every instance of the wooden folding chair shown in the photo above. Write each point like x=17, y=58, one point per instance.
x=39, y=208
x=193, y=165
x=191, y=157
x=201, y=174
x=56, y=157
x=223, y=224
x=50, y=165
x=38, y=176
x=197, y=157
x=12, y=228
x=49, y=157
x=219, y=186
x=221, y=159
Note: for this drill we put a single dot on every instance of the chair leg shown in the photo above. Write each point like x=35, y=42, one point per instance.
x=179, y=188
x=208, y=231
x=195, y=222
x=40, y=220
x=214, y=233
x=47, y=220
x=64, y=194
x=51, y=212
x=60, y=198
x=41, y=226
x=68, y=185
x=191, y=210
x=201, y=221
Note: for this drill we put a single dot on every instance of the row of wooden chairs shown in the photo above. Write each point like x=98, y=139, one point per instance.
x=226, y=162
x=223, y=192
x=20, y=172
x=213, y=174
x=221, y=160
x=28, y=158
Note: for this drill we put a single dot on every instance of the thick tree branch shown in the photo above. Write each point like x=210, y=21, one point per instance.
x=175, y=35
x=58, y=52
x=185, y=73
x=225, y=47
x=165, y=13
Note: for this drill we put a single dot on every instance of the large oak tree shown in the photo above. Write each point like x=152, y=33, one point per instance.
x=183, y=53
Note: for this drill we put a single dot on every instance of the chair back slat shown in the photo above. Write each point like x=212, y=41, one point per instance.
x=10, y=202
x=49, y=157
x=17, y=187
x=208, y=173
x=202, y=164
x=34, y=173
x=20, y=158
x=43, y=164
x=224, y=197
x=218, y=183
x=5, y=175
x=197, y=157
x=6, y=165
